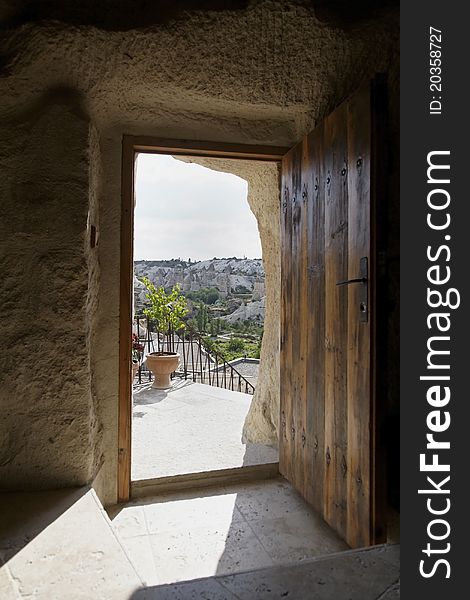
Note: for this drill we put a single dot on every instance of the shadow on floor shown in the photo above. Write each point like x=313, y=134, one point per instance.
x=263, y=525
x=24, y=515
x=354, y=575
x=221, y=531
x=141, y=397
x=278, y=526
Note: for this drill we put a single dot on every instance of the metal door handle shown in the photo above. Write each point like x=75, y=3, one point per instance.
x=356, y=280
x=363, y=292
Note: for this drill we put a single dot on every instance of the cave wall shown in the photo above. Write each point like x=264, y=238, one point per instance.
x=72, y=82
x=48, y=410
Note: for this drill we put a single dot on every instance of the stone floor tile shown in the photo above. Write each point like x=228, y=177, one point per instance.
x=7, y=587
x=296, y=536
x=393, y=593
x=347, y=576
x=26, y=515
x=139, y=551
x=341, y=577
x=387, y=552
x=272, y=498
x=191, y=508
x=192, y=590
x=202, y=552
x=68, y=550
x=128, y=521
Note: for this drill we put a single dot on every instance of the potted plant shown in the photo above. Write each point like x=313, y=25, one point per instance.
x=137, y=353
x=166, y=311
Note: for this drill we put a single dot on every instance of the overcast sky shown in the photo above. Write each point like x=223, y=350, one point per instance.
x=187, y=211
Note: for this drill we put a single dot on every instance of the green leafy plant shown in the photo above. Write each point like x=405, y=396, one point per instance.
x=166, y=309
x=231, y=349
x=236, y=345
x=206, y=295
x=202, y=318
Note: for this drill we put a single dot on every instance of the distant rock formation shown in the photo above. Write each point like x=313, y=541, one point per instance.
x=258, y=289
x=140, y=295
x=227, y=275
x=252, y=311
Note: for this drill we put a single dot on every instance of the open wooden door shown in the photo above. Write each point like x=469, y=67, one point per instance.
x=329, y=404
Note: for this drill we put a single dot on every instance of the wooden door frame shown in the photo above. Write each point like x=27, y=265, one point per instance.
x=131, y=146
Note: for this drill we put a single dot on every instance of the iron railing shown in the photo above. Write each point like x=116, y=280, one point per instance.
x=198, y=362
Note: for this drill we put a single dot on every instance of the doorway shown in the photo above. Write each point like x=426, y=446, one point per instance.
x=199, y=294
x=329, y=434
x=226, y=378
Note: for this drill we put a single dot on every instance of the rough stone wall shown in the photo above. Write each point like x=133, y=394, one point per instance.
x=47, y=410
x=262, y=422
x=92, y=302
x=264, y=71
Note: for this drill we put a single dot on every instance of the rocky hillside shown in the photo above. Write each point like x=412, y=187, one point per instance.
x=252, y=311
x=228, y=275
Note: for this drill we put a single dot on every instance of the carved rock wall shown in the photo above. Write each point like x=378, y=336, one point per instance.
x=75, y=77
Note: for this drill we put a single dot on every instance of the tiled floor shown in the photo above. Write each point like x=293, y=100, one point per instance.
x=220, y=531
x=191, y=428
x=59, y=545
x=371, y=574
x=62, y=545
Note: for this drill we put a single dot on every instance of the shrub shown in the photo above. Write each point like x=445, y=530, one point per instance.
x=166, y=309
x=236, y=345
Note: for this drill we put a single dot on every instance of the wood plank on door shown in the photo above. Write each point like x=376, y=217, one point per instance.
x=336, y=308
x=358, y=335
x=314, y=403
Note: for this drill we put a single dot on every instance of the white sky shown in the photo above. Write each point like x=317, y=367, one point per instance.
x=187, y=211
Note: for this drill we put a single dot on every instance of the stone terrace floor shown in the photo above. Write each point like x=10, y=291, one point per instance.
x=191, y=428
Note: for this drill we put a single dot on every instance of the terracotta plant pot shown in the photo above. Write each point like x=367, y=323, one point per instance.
x=162, y=365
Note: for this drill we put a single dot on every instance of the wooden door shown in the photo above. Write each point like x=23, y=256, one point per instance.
x=328, y=446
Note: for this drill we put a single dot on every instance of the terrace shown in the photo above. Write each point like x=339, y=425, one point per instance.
x=196, y=426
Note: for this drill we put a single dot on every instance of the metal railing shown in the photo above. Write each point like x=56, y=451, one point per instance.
x=198, y=362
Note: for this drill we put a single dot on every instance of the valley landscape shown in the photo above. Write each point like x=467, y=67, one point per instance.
x=225, y=299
